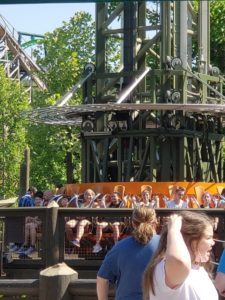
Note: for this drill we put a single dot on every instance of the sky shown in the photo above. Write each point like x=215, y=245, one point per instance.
x=41, y=18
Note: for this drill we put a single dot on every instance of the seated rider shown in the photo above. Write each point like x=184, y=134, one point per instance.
x=31, y=226
x=178, y=201
x=103, y=224
x=75, y=227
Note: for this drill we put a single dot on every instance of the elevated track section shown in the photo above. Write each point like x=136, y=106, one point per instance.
x=17, y=63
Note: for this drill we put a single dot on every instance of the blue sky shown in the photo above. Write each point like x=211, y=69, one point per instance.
x=41, y=18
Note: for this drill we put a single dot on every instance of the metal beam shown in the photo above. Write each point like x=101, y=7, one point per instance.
x=51, y=1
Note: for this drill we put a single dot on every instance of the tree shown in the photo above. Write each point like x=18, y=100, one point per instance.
x=55, y=150
x=217, y=36
x=217, y=42
x=67, y=50
x=13, y=101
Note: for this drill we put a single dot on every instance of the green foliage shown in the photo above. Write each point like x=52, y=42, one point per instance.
x=217, y=21
x=49, y=145
x=13, y=101
x=153, y=18
x=113, y=45
x=68, y=49
x=46, y=159
x=217, y=33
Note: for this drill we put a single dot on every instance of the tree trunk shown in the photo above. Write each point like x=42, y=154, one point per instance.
x=69, y=167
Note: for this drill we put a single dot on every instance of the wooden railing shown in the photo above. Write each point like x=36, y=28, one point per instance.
x=53, y=244
x=79, y=289
x=53, y=241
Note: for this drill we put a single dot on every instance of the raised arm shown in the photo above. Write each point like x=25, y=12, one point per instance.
x=194, y=201
x=220, y=283
x=134, y=201
x=124, y=202
x=156, y=200
x=102, y=288
x=165, y=200
x=177, y=260
x=215, y=201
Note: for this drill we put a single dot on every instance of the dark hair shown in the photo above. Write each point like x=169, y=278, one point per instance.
x=38, y=194
x=179, y=189
x=116, y=193
x=223, y=192
x=32, y=189
x=58, y=185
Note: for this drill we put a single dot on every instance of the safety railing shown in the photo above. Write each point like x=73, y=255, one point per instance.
x=52, y=246
x=9, y=35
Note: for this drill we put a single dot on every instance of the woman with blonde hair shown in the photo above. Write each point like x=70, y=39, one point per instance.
x=126, y=261
x=75, y=228
x=177, y=269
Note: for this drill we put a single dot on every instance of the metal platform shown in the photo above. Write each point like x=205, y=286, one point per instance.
x=72, y=115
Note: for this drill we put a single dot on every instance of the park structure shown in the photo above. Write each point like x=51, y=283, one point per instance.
x=164, y=123
x=141, y=123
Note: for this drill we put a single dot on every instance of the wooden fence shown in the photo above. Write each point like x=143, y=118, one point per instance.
x=79, y=289
x=52, y=252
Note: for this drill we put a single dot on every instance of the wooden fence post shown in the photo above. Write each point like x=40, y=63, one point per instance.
x=52, y=235
x=54, y=282
x=25, y=172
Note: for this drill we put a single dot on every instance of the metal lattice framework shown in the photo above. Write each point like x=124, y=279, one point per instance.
x=164, y=123
x=18, y=65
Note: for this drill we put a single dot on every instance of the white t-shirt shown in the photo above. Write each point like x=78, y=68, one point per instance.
x=172, y=204
x=197, y=286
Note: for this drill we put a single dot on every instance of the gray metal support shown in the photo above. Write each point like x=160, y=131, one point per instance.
x=165, y=18
x=100, y=47
x=183, y=30
x=141, y=20
x=129, y=47
x=204, y=36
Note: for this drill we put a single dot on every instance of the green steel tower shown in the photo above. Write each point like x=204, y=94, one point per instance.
x=158, y=114
x=155, y=144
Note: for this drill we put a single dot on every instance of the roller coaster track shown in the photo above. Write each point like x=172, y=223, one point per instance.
x=9, y=42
